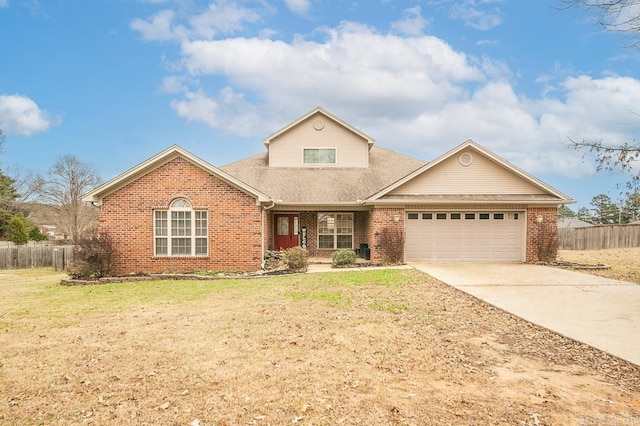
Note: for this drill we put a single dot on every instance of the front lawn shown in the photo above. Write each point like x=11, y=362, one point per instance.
x=373, y=347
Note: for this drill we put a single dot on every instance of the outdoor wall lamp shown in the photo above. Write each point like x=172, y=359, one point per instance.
x=396, y=218
x=539, y=219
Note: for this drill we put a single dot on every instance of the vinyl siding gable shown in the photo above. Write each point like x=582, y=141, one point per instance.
x=318, y=131
x=481, y=176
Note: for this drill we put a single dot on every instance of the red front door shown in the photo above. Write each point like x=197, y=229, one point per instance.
x=285, y=231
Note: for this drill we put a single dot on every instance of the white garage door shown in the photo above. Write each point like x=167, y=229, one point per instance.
x=465, y=236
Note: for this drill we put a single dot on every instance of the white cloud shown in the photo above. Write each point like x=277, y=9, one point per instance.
x=22, y=116
x=218, y=18
x=160, y=27
x=4, y=3
x=229, y=113
x=299, y=7
x=413, y=93
x=412, y=23
x=222, y=18
x=353, y=64
x=475, y=14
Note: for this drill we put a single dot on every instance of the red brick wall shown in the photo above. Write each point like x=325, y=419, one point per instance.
x=234, y=221
x=541, y=234
x=380, y=218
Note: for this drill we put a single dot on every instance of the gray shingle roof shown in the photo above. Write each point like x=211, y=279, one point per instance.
x=572, y=222
x=324, y=185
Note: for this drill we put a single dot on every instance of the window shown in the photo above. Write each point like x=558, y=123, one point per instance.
x=427, y=216
x=412, y=216
x=319, y=156
x=441, y=216
x=498, y=216
x=484, y=216
x=455, y=216
x=180, y=230
x=470, y=216
x=335, y=230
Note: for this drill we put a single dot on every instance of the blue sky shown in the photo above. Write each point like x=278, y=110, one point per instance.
x=114, y=82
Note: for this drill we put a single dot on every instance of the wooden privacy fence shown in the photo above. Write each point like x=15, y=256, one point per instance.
x=20, y=257
x=599, y=237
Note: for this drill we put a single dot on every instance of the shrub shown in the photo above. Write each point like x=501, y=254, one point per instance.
x=391, y=245
x=296, y=259
x=35, y=234
x=546, y=243
x=93, y=257
x=18, y=229
x=343, y=257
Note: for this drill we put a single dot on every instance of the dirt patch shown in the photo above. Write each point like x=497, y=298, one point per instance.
x=339, y=348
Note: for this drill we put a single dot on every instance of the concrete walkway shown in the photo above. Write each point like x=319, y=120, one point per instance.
x=601, y=312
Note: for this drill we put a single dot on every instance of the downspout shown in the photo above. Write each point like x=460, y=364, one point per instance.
x=265, y=208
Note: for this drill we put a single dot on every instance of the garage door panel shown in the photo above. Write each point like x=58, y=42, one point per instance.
x=486, y=236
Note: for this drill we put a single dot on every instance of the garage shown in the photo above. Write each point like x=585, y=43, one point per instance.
x=488, y=236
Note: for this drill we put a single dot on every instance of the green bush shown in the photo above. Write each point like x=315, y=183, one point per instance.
x=18, y=229
x=343, y=257
x=35, y=234
x=296, y=259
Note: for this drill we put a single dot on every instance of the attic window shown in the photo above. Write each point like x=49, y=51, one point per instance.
x=319, y=155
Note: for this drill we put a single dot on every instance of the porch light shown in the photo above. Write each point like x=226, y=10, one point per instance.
x=539, y=219
x=396, y=218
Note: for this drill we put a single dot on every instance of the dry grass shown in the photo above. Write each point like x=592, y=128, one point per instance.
x=353, y=348
x=624, y=262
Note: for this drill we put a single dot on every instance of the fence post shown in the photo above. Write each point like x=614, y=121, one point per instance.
x=55, y=259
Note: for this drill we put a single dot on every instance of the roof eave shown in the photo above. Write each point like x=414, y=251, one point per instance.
x=421, y=202
x=97, y=194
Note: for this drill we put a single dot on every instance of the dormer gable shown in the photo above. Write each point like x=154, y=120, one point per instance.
x=318, y=139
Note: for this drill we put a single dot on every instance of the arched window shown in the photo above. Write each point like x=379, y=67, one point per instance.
x=180, y=230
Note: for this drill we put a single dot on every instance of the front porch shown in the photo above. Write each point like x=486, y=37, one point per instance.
x=323, y=230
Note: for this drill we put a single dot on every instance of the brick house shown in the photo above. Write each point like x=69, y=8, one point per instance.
x=324, y=185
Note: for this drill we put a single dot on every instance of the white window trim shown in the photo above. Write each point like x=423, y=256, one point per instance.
x=169, y=237
x=335, y=230
x=335, y=156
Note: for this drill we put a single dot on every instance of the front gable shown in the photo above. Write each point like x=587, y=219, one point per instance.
x=159, y=161
x=318, y=134
x=467, y=172
x=470, y=172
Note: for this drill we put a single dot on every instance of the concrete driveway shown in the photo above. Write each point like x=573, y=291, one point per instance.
x=601, y=312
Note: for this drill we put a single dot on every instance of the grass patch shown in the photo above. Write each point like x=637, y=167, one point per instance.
x=624, y=262
x=335, y=298
x=394, y=308
x=54, y=305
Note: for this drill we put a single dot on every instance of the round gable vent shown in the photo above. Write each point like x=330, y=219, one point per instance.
x=465, y=159
x=318, y=124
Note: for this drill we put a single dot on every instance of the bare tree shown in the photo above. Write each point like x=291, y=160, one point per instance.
x=621, y=16
x=62, y=187
x=625, y=157
x=616, y=16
